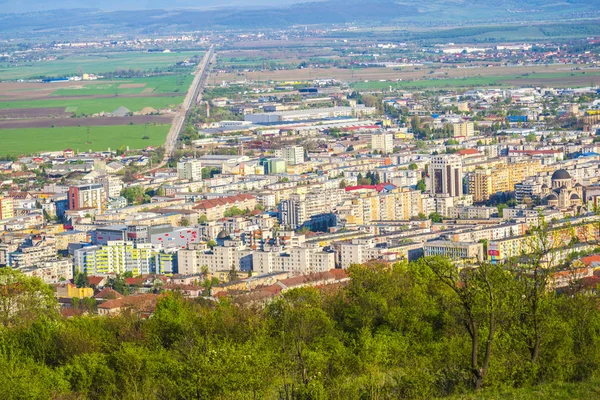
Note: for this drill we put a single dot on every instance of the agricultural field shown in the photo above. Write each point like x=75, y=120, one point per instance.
x=99, y=63
x=40, y=116
x=93, y=105
x=430, y=76
x=35, y=140
x=553, y=80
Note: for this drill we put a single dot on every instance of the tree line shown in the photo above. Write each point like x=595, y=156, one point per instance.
x=423, y=329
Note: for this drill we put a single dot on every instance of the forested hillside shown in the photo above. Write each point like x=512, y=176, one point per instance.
x=418, y=330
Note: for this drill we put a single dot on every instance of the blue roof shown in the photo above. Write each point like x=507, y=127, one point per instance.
x=588, y=154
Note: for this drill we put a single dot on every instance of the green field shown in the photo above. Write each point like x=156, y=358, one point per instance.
x=470, y=81
x=93, y=64
x=153, y=84
x=94, y=105
x=35, y=140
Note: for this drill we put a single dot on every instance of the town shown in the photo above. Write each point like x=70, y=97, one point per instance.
x=323, y=200
x=304, y=182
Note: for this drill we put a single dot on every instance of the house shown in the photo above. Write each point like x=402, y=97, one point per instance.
x=69, y=290
x=114, y=167
x=189, y=291
x=141, y=304
x=108, y=294
x=67, y=153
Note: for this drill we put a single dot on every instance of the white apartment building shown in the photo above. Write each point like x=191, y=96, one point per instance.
x=112, y=185
x=383, y=142
x=358, y=252
x=190, y=170
x=462, y=251
x=445, y=175
x=293, y=155
x=298, y=260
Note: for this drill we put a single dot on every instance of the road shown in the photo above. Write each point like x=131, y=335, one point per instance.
x=194, y=94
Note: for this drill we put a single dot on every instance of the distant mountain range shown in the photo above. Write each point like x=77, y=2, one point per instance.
x=255, y=14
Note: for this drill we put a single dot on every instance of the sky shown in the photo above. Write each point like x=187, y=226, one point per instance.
x=22, y=6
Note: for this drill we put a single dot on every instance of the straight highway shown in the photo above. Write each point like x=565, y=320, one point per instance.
x=194, y=94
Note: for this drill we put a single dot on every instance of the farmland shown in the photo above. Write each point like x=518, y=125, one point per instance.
x=555, y=80
x=89, y=106
x=40, y=116
x=429, y=76
x=93, y=64
x=32, y=140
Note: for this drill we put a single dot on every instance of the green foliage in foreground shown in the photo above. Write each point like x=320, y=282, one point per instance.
x=555, y=391
x=393, y=332
x=34, y=140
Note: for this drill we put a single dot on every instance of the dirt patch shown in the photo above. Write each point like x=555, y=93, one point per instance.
x=18, y=113
x=147, y=90
x=147, y=111
x=89, y=121
x=131, y=85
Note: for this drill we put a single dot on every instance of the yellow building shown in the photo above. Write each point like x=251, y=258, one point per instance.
x=69, y=290
x=7, y=208
x=480, y=184
x=465, y=129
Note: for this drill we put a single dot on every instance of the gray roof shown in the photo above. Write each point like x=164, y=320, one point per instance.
x=561, y=174
x=120, y=112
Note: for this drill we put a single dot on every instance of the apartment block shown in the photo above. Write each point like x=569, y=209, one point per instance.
x=190, y=170
x=383, y=142
x=465, y=129
x=293, y=155
x=445, y=175
x=465, y=252
x=86, y=196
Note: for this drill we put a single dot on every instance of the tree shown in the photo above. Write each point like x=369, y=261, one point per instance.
x=23, y=299
x=184, y=221
x=413, y=166
x=531, y=137
x=203, y=219
x=501, y=208
x=135, y=195
x=233, y=212
x=81, y=280
x=478, y=291
x=435, y=217
x=211, y=244
x=421, y=185
x=119, y=284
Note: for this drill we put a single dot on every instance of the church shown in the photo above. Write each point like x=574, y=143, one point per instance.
x=563, y=194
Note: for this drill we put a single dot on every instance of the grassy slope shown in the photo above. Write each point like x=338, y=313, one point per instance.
x=31, y=140
x=555, y=391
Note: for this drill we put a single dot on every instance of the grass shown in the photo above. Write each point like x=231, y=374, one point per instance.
x=93, y=106
x=464, y=82
x=157, y=84
x=94, y=64
x=555, y=391
x=35, y=140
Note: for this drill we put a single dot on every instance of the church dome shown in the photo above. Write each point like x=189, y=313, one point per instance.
x=223, y=235
x=552, y=196
x=560, y=175
x=575, y=196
